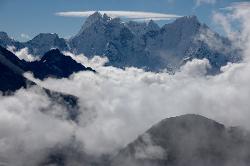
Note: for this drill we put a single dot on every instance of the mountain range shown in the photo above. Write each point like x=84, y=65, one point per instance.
x=139, y=44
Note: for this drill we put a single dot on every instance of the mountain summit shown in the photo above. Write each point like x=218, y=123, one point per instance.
x=96, y=17
x=55, y=64
x=190, y=140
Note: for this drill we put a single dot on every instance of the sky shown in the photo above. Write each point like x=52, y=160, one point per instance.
x=24, y=19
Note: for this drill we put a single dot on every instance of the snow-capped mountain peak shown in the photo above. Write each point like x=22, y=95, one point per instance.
x=92, y=19
x=44, y=42
x=152, y=26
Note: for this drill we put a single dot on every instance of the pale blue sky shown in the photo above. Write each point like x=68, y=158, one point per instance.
x=23, y=18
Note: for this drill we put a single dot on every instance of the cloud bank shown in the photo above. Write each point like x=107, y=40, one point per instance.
x=134, y=15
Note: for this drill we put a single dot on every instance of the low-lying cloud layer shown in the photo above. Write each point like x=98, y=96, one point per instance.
x=117, y=105
x=23, y=54
x=134, y=15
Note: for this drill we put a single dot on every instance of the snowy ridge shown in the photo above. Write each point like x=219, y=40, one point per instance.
x=138, y=44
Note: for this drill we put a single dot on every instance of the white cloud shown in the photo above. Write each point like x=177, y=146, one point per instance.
x=95, y=62
x=201, y=2
x=115, y=100
x=25, y=36
x=27, y=130
x=117, y=105
x=23, y=54
x=134, y=15
x=147, y=150
x=236, y=14
x=238, y=5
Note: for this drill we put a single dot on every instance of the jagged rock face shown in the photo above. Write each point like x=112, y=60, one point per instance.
x=180, y=40
x=140, y=28
x=146, y=45
x=101, y=35
x=189, y=140
x=94, y=35
x=44, y=42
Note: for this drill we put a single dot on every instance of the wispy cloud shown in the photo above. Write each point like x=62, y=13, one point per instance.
x=235, y=5
x=134, y=15
x=25, y=36
x=200, y=2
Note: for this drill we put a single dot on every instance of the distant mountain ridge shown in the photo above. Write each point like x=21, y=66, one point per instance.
x=38, y=46
x=52, y=64
x=55, y=64
x=138, y=44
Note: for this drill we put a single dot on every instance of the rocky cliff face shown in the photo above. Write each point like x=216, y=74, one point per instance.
x=44, y=42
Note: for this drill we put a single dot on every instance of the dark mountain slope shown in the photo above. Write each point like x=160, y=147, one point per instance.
x=52, y=64
x=55, y=64
x=5, y=41
x=12, y=79
x=189, y=140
